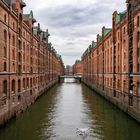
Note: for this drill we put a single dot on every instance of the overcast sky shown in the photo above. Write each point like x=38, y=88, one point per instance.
x=73, y=24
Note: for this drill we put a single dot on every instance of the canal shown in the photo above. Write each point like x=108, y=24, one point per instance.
x=68, y=106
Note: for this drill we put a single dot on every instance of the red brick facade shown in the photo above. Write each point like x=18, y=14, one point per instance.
x=78, y=68
x=28, y=63
x=112, y=64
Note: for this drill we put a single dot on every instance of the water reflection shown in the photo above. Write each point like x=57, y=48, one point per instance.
x=109, y=123
x=65, y=107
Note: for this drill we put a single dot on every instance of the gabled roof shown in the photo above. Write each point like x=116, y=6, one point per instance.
x=31, y=15
x=123, y=14
x=59, y=57
x=120, y=16
x=99, y=38
x=94, y=44
x=27, y=17
x=106, y=31
x=89, y=48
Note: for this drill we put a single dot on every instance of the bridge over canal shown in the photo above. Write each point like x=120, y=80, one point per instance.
x=77, y=77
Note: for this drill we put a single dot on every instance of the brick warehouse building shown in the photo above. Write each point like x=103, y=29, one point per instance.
x=111, y=65
x=78, y=68
x=28, y=63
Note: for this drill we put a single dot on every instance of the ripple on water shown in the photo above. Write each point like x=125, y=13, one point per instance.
x=65, y=107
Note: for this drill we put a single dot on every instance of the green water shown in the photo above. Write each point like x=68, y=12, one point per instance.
x=68, y=106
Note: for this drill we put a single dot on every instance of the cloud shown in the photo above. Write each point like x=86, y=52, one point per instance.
x=67, y=17
x=73, y=24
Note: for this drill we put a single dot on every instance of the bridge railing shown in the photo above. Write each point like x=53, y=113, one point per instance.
x=71, y=76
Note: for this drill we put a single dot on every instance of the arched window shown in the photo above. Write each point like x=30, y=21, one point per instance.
x=19, y=43
x=5, y=67
x=27, y=82
x=5, y=36
x=31, y=83
x=13, y=40
x=19, y=57
x=4, y=88
x=5, y=42
x=13, y=86
x=24, y=83
x=13, y=55
x=19, y=88
x=19, y=69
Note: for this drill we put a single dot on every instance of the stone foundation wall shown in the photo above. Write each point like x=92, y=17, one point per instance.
x=15, y=106
x=121, y=100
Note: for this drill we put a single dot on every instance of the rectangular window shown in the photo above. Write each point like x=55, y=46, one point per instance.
x=13, y=40
x=24, y=68
x=5, y=67
x=4, y=88
x=13, y=67
x=13, y=54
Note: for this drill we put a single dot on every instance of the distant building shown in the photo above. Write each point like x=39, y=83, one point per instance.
x=69, y=70
x=78, y=68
